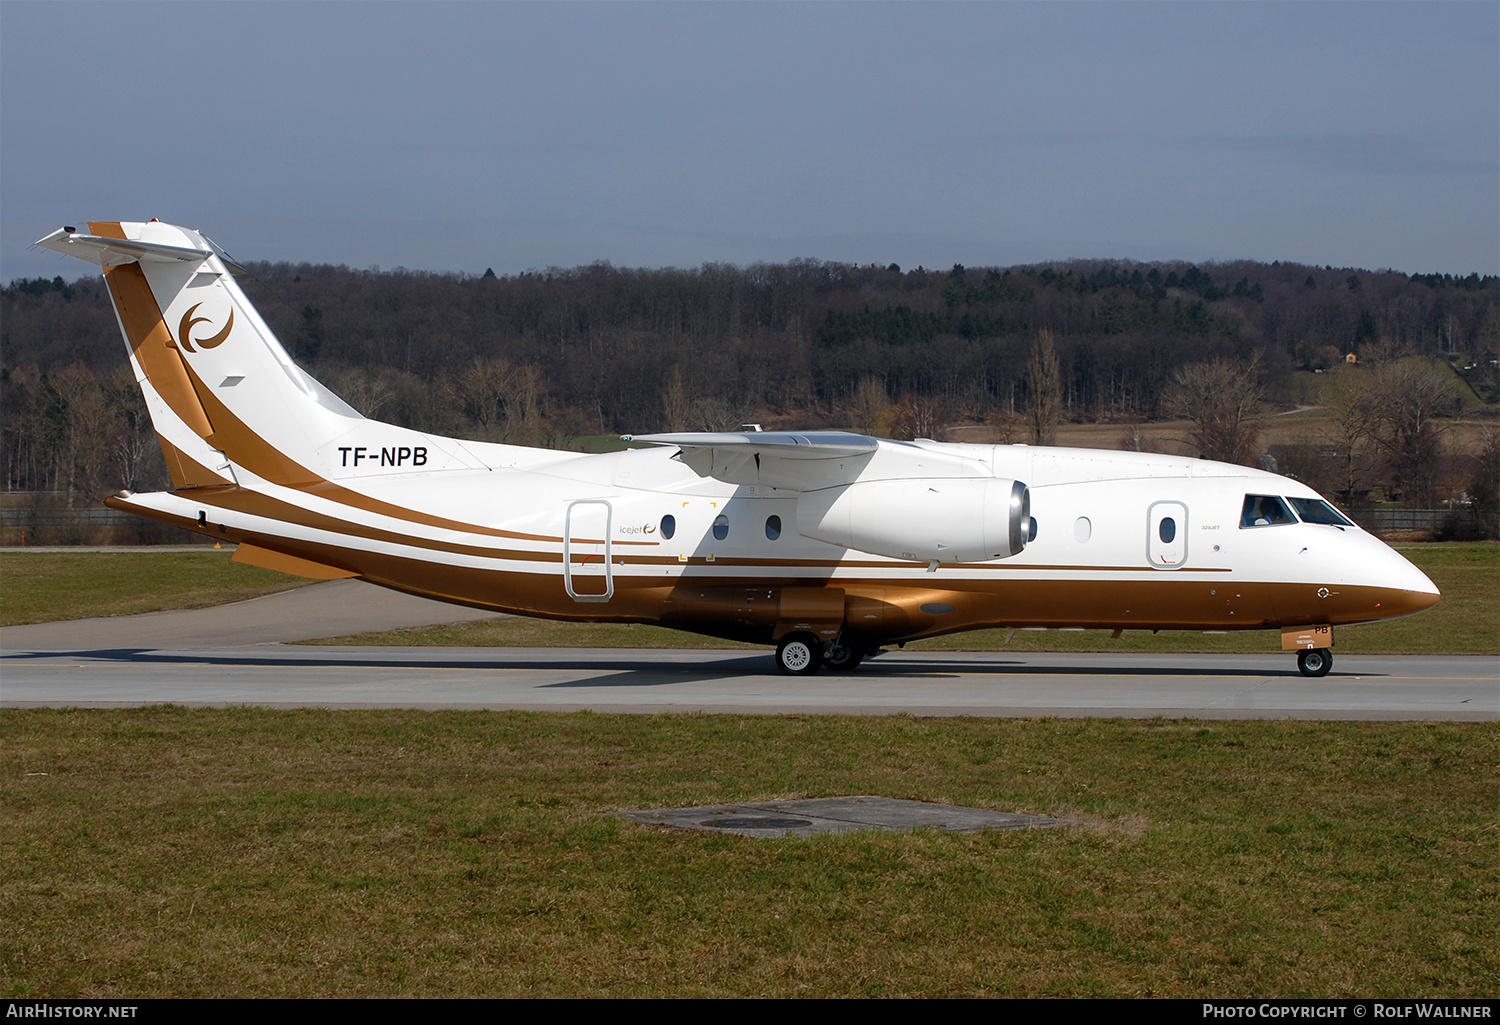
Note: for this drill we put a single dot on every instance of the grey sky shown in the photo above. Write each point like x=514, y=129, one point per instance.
x=461, y=136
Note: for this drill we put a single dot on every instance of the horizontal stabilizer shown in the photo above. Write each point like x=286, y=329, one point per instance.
x=111, y=252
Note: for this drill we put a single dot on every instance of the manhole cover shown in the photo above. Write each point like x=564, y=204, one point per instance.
x=754, y=822
x=808, y=817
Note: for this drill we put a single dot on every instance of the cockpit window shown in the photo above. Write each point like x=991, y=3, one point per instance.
x=1265, y=511
x=1315, y=510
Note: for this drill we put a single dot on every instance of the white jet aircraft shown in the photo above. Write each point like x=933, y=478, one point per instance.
x=827, y=545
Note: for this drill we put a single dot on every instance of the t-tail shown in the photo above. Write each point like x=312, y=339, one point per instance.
x=228, y=403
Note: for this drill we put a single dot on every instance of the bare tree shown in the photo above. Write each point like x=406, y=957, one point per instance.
x=478, y=391
x=872, y=407
x=523, y=405
x=674, y=401
x=133, y=455
x=1009, y=426
x=87, y=422
x=717, y=413
x=1410, y=397
x=1044, y=379
x=1222, y=400
x=918, y=416
x=1352, y=422
x=1133, y=439
x=1482, y=489
x=502, y=400
x=366, y=390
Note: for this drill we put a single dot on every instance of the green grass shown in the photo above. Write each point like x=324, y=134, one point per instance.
x=1466, y=621
x=42, y=587
x=243, y=852
x=1471, y=399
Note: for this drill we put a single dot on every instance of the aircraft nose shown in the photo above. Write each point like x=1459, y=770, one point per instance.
x=1411, y=589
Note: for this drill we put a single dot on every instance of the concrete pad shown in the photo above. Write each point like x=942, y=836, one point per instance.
x=835, y=815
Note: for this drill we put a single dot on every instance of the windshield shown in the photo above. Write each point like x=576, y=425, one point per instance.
x=1315, y=510
x=1265, y=511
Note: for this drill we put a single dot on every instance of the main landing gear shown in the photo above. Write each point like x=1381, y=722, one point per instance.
x=804, y=654
x=799, y=655
x=841, y=659
x=1314, y=661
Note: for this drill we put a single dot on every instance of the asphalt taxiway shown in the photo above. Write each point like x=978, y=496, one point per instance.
x=232, y=655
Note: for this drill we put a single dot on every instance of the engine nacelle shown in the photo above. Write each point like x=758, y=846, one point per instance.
x=936, y=519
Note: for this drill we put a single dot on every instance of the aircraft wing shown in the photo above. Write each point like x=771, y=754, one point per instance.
x=783, y=460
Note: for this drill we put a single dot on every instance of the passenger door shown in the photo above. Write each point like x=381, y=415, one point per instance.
x=587, y=574
x=1166, y=538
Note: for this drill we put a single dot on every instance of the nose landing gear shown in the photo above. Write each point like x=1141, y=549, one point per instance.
x=1314, y=661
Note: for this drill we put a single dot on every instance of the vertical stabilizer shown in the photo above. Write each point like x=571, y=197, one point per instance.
x=224, y=396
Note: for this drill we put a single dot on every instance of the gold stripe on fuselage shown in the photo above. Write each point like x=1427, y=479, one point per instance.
x=713, y=605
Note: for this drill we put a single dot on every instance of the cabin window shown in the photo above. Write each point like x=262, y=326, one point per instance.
x=1265, y=511
x=1315, y=510
x=773, y=527
x=1167, y=530
x=721, y=527
x=668, y=526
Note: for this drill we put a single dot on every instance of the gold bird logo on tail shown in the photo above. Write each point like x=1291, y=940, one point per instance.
x=185, y=328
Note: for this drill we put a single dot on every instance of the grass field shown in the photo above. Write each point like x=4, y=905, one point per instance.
x=246, y=852
x=1466, y=621
x=42, y=587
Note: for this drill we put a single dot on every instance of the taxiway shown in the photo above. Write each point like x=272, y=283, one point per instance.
x=231, y=655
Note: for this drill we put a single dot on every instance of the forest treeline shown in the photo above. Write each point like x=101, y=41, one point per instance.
x=545, y=356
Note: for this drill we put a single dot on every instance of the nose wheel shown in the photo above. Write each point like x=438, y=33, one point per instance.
x=1314, y=661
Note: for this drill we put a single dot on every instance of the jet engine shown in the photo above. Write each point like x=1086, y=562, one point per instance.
x=932, y=520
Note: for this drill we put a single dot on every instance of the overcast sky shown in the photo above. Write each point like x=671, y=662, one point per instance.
x=516, y=136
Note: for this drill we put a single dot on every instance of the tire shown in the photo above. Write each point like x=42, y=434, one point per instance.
x=1314, y=661
x=798, y=655
x=842, y=659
